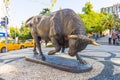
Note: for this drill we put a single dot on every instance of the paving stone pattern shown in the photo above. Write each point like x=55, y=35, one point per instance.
x=105, y=60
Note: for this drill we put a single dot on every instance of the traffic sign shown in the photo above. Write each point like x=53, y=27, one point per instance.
x=2, y=23
x=2, y=34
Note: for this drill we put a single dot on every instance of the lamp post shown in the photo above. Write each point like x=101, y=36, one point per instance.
x=6, y=23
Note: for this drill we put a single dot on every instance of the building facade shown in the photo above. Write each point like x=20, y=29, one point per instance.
x=114, y=9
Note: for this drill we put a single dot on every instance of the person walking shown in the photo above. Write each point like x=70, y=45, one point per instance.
x=62, y=50
x=110, y=37
x=96, y=36
x=114, y=37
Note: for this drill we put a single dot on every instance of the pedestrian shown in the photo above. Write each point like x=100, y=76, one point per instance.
x=96, y=36
x=110, y=37
x=62, y=50
x=114, y=37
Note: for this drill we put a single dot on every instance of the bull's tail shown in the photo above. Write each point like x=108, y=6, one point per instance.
x=28, y=21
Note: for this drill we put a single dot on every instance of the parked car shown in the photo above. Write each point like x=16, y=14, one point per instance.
x=29, y=43
x=11, y=45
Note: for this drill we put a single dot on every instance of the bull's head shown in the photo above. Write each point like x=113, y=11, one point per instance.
x=78, y=43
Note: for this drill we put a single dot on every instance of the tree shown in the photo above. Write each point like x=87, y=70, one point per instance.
x=53, y=2
x=24, y=33
x=108, y=22
x=6, y=3
x=48, y=10
x=14, y=32
x=88, y=8
x=91, y=19
x=45, y=11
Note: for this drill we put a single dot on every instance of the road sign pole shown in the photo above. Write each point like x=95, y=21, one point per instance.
x=6, y=28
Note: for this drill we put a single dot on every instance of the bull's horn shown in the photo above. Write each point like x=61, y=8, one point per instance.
x=72, y=36
x=94, y=43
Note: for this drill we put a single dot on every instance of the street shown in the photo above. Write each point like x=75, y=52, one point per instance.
x=104, y=58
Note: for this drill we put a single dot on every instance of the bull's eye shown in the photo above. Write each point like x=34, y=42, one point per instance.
x=72, y=43
x=77, y=43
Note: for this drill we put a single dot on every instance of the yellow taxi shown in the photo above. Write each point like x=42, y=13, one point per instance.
x=29, y=43
x=11, y=45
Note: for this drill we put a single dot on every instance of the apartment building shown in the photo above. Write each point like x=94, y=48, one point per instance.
x=114, y=9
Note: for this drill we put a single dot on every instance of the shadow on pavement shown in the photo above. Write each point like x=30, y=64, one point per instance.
x=8, y=60
x=2, y=79
x=108, y=71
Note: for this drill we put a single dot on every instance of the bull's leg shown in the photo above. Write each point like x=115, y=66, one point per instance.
x=81, y=61
x=38, y=44
x=56, y=45
x=34, y=50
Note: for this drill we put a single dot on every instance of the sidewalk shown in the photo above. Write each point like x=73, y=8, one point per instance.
x=103, y=40
x=105, y=60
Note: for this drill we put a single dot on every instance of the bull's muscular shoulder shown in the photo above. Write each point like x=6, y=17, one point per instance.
x=66, y=21
x=70, y=21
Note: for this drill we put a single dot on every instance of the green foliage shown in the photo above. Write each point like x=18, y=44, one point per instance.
x=88, y=8
x=117, y=24
x=111, y=22
x=14, y=32
x=53, y=2
x=98, y=22
x=108, y=21
x=45, y=11
x=93, y=21
x=25, y=33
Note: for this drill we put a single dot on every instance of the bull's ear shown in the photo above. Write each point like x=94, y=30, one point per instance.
x=36, y=19
x=72, y=36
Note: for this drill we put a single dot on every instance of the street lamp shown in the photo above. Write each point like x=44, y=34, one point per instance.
x=5, y=23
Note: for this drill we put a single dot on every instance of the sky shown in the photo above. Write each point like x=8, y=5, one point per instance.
x=21, y=10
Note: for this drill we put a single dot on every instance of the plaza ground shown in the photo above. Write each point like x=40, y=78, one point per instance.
x=104, y=58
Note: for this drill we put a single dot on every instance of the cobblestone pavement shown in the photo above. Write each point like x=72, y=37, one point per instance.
x=105, y=60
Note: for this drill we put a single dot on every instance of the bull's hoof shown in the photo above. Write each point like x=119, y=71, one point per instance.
x=43, y=58
x=51, y=53
x=35, y=56
x=39, y=57
x=35, y=53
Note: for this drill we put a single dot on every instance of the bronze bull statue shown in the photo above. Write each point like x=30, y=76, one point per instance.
x=63, y=28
